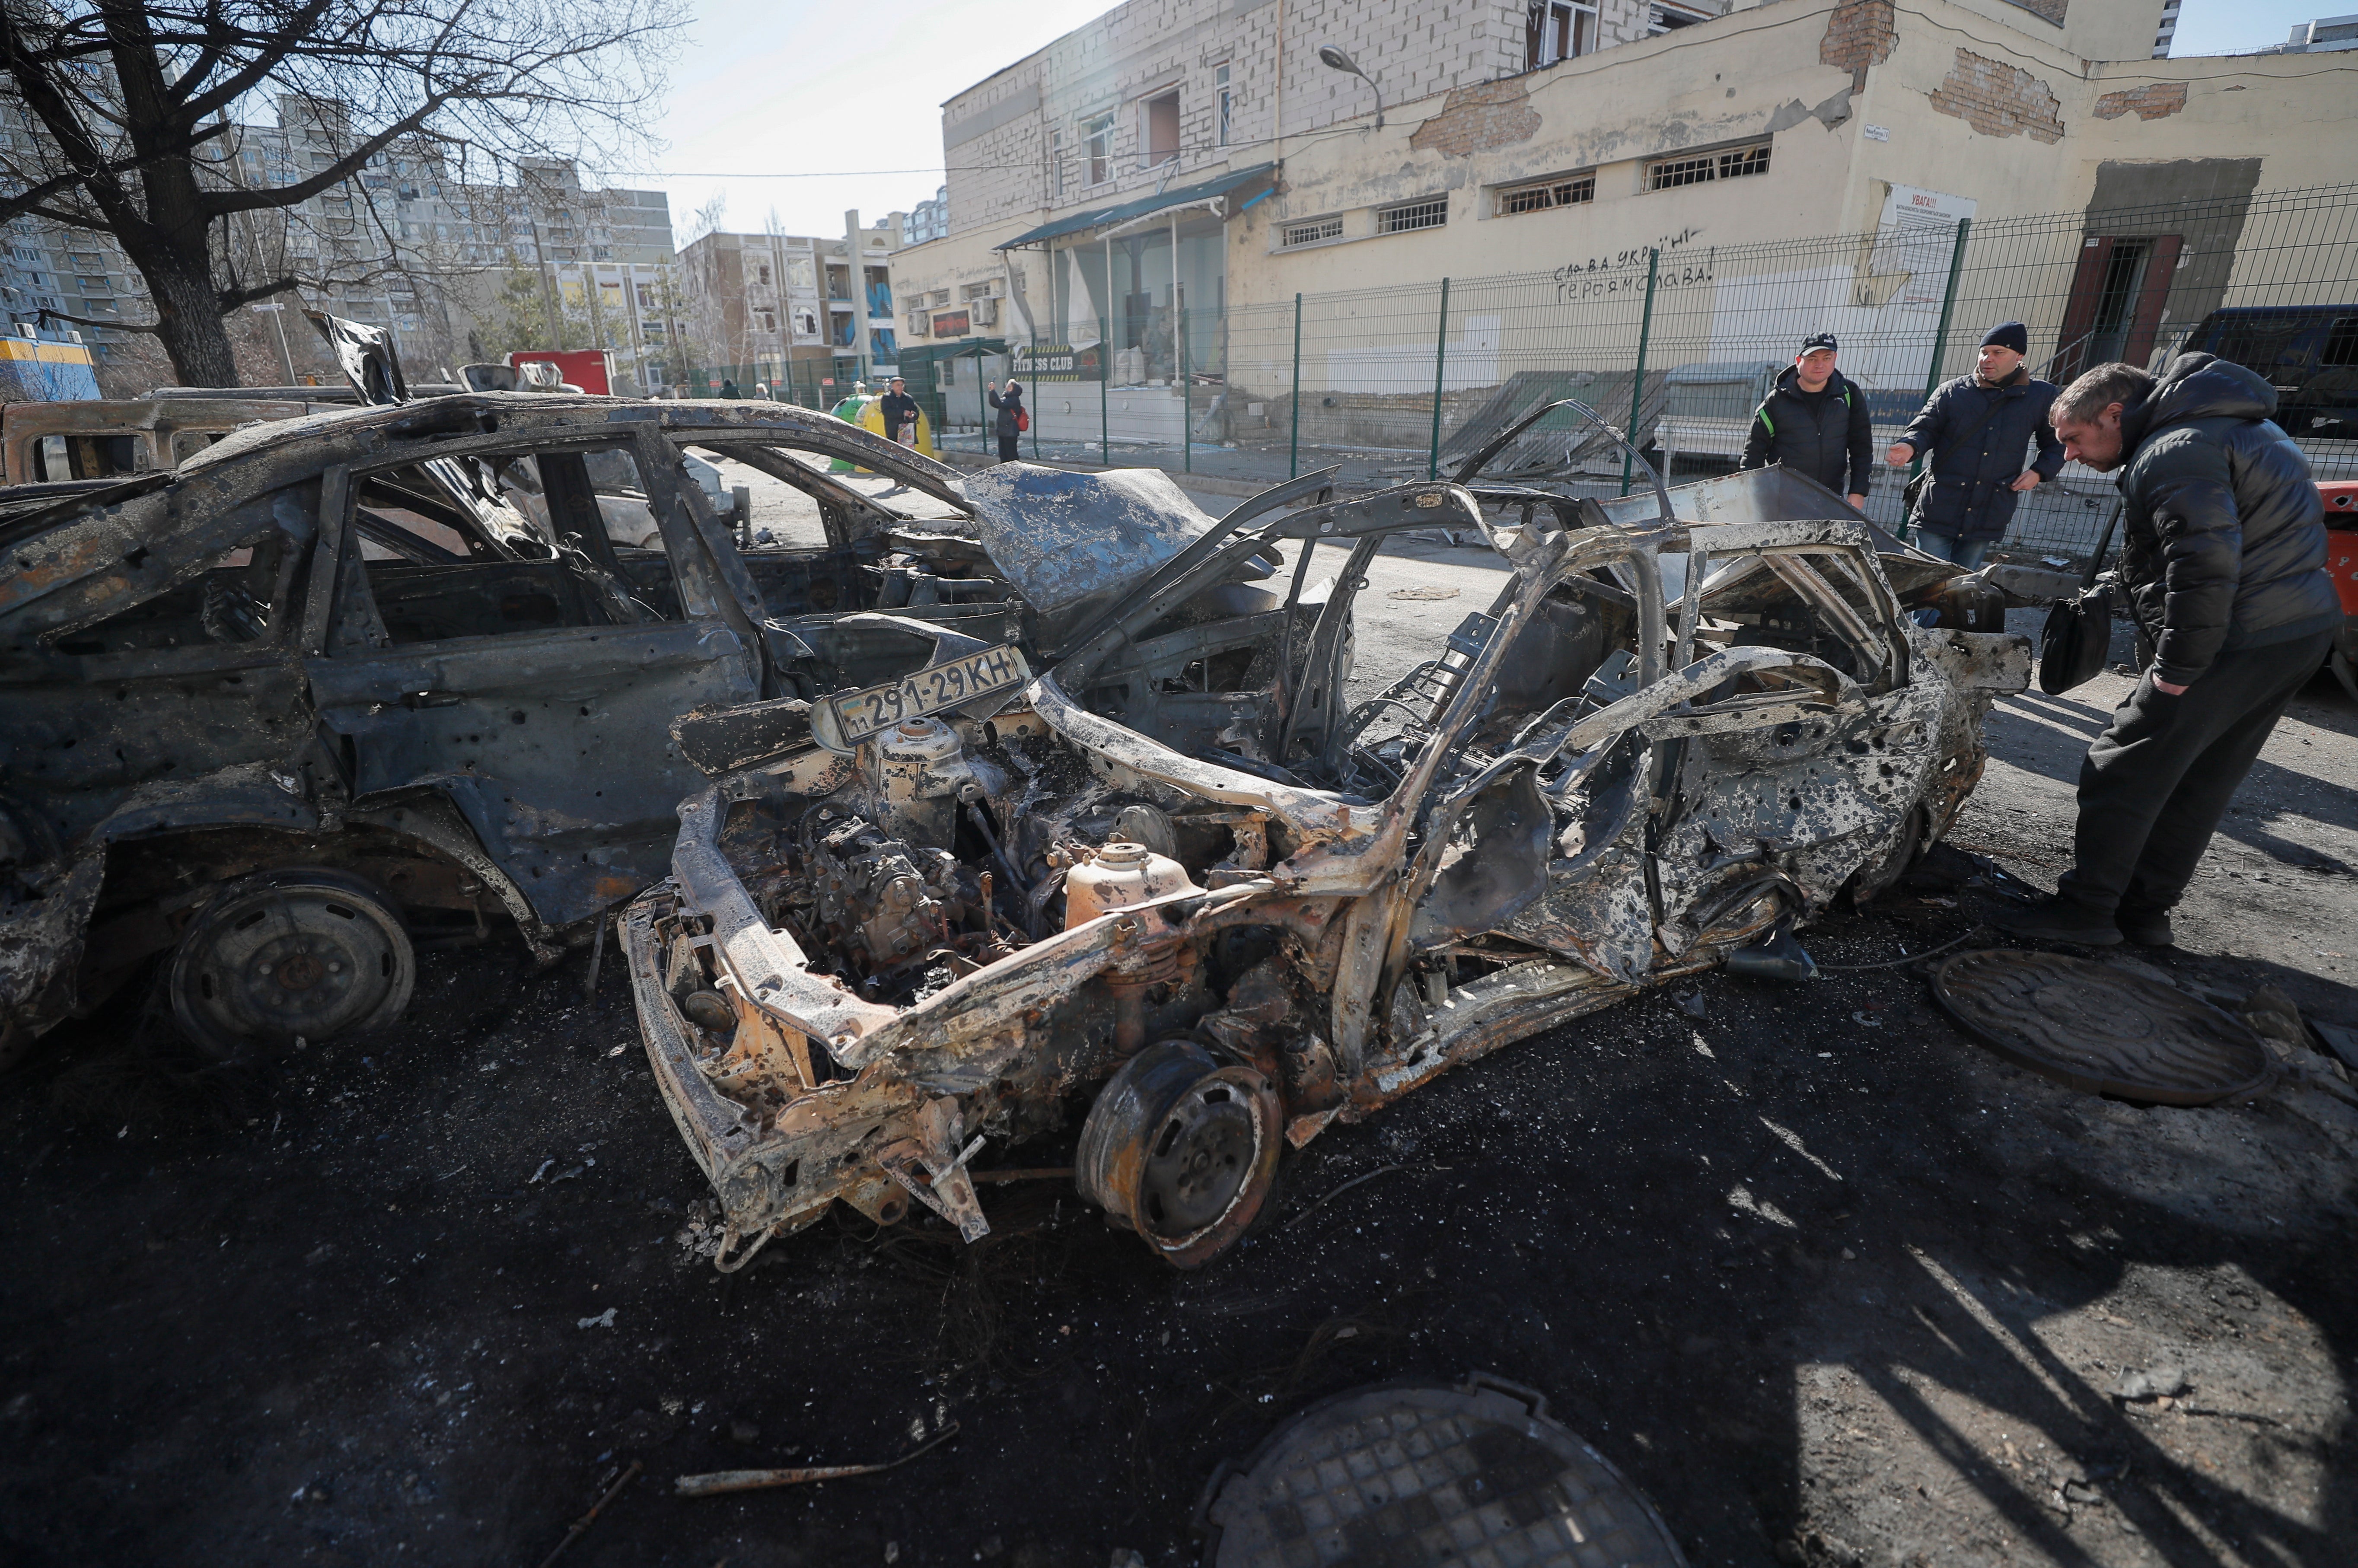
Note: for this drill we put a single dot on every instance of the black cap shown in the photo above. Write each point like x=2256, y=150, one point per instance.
x=1816, y=341
x=2009, y=335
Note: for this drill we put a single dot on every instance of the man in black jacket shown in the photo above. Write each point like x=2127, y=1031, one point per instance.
x=1814, y=421
x=1977, y=426
x=900, y=413
x=2223, y=558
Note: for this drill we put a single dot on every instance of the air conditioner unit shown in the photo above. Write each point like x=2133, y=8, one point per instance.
x=918, y=323
x=986, y=311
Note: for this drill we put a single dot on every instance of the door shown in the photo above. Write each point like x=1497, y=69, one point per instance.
x=537, y=696
x=2115, y=308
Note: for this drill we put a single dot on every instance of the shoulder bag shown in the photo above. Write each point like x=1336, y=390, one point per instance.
x=2079, y=629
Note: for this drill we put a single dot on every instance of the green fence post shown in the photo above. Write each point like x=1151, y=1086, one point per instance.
x=1440, y=366
x=983, y=410
x=1940, y=344
x=1187, y=425
x=1105, y=379
x=1293, y=443
x=1032, y=391
x=1638, y=383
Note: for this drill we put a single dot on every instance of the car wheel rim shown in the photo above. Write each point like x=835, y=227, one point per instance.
x=274, y=963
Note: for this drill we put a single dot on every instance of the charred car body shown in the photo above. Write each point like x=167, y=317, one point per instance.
x=1184, y=880
x=351, y=681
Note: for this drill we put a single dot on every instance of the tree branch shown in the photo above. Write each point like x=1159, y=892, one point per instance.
x=231, y=298
x=220, y=203
x=151, y=328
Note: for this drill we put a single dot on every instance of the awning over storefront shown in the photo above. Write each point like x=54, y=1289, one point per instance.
x=1140, y=207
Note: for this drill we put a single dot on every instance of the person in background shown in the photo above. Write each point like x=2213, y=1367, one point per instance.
x=728, y=388
x=900, y=414
x=1976, y=428
x=2223, y=555
x=1010, y=421
x=1814, y=421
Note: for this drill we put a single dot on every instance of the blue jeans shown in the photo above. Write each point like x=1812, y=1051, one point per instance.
x=1967, y=554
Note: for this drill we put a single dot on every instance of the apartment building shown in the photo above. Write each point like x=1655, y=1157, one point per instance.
x=409, y=244
x=1225, y=153
x=760, y=302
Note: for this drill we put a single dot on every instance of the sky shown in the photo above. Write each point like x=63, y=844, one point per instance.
x=767, y=95
x=776, y=104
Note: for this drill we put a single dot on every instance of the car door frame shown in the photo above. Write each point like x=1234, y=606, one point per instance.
x=386, y=692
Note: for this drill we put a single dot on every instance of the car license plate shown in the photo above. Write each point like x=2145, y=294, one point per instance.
x=860, y=714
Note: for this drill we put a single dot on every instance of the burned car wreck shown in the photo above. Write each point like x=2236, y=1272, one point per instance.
x=387, y=675
x=1204, y=889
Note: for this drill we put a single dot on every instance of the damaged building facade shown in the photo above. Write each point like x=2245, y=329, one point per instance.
x=768, y=301
x=1200, y=152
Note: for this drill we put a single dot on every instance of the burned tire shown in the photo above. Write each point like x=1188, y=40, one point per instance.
x=1182, y=1150
x=304, y=952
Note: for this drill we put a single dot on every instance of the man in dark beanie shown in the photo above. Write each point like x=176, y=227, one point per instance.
x=1814, y=422
x=2222, y=555
x=1976, y=428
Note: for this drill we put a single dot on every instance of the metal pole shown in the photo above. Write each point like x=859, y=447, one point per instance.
x=1105, y=373
x=1941, y=341
x=1440, y=365
x=1186, y=424
x=1637, y=382
x=1293, y=444
x=1179, y=351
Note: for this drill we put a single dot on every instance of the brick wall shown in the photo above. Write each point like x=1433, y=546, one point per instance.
x=2154, y=101
x=1858, y=35
x=2000, y=100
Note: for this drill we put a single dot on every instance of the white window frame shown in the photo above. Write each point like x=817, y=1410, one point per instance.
x=1056, y=162
x=1568, y=31
x=1711, y=165
x=1391, y=211
x=1224, y=102
x=1582, y=183
x=1096, y=148
x=1304, y=232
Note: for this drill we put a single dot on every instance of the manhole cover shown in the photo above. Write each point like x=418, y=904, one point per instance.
x=1417, y=1475
x=2100, y=1030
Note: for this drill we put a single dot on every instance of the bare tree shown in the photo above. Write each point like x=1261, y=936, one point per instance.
x=133, y=103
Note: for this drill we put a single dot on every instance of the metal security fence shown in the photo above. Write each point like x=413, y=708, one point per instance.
x=808, y=383
x=1677, y=342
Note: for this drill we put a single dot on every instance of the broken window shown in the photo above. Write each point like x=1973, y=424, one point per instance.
x=104, y=454
x=434, y=574
x=1224, y=99
x=1310, y=234
x=1539, y=196
x=236, y=601
x=1159, y=129
x=1665, y=174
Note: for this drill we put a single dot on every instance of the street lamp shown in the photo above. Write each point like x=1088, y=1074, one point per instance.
x=1334, y=59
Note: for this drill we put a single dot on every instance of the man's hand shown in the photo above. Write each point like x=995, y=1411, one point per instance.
x=1859, y=502
x=1900, y=455
x=2167, y=689
x=2026, y=480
